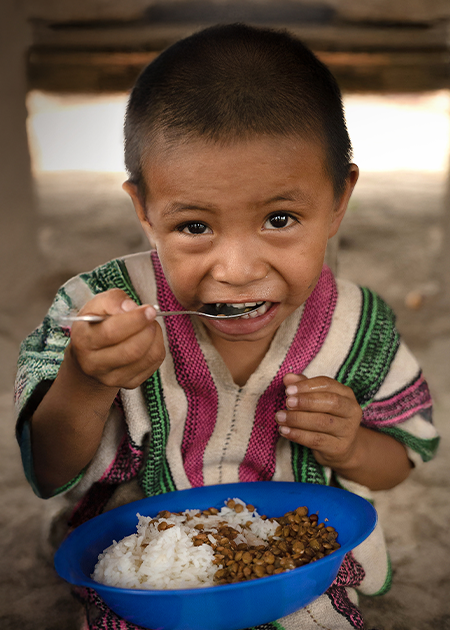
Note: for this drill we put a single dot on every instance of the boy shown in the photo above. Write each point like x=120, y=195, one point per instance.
x=240, y=171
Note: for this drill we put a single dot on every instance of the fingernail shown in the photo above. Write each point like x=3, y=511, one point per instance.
x=128, y=305
x=281, y=416
x=291, y=401
x=150, y=313
x=284, y=430
x=291, y=389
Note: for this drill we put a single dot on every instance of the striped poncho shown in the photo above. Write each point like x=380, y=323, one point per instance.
x=191, y=425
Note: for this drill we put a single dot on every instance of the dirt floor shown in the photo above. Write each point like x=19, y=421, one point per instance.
x=390, y=241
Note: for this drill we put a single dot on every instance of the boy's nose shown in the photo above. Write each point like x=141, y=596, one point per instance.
x=239, y=264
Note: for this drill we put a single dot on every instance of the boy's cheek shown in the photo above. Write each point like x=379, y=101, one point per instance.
x=149, y=233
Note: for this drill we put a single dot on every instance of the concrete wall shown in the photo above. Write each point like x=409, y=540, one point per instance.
x=19, y=263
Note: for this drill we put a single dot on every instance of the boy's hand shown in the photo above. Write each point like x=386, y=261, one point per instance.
x=324, y=416
x=123, y=350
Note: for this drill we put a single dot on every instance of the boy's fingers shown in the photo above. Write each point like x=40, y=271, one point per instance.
x=314, y=440
x=128, y=363
x=322, y=403
x=131, y=376
x=112, y=302
x=313, y=422
x=106, y=303
x=318, y=384
x=115, y=329
x=293, y=379
x=124, y=325
x=145, y=345
x=326, y=448
x=124, y=377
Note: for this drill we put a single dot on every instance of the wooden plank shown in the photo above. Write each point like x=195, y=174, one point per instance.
x=144, y=36
x=96, y=71
x=400, y=59
x=96, y=58
x=332, y=58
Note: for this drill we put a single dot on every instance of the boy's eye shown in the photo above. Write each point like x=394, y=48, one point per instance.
x=279, y=220
x=194, y=227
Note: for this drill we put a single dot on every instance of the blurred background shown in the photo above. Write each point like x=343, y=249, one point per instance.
x=66, y=67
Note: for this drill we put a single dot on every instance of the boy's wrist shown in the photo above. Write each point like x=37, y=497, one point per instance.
x=68, y=424
x=357, y=460
x=378, y=461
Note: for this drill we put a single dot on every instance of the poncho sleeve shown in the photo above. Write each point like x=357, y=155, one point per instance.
x=388, y=382
x=40, y=358
x=42, y=353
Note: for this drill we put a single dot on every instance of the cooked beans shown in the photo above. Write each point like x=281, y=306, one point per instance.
x=298, y=540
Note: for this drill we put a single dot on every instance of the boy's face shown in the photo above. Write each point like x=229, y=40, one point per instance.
x=244, y=223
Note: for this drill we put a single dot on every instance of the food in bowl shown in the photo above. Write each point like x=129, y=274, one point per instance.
x=194, y=548
x=230, y=606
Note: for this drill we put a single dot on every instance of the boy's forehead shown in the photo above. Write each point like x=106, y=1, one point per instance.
x=186, y=152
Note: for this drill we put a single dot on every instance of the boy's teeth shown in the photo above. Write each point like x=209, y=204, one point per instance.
x=238, y=305
x=259, y=311
x=244, y=309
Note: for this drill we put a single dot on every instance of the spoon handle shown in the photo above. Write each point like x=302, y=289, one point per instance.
x=94, y=319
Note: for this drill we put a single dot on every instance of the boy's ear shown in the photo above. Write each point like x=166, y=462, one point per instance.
x=342, y=203
x=139, y=205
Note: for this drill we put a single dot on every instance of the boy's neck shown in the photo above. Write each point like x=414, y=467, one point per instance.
x=242, y=358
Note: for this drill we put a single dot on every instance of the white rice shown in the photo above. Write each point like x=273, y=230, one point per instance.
x=168, y=559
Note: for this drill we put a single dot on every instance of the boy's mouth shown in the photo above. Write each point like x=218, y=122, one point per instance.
x=247, y=310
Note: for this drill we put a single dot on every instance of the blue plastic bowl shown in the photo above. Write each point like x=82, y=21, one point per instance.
x=229, y=606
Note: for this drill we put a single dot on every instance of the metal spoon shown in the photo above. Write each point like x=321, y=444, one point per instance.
x=93, y=319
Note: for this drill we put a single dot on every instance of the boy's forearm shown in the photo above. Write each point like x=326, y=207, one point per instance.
x=379, y=461
x=67, y=426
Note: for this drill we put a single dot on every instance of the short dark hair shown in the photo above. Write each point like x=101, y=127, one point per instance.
x=234, y=82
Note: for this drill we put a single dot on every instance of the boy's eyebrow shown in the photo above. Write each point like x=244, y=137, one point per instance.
x=296, y=195
x=299, y=196
x=175, y=207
